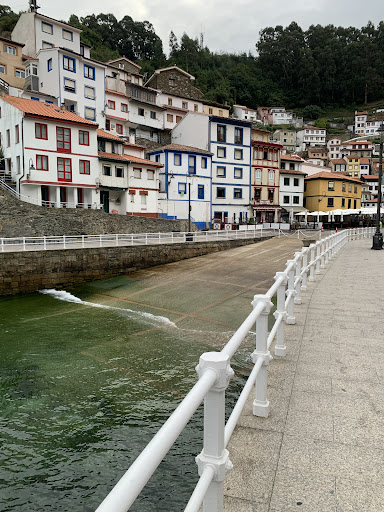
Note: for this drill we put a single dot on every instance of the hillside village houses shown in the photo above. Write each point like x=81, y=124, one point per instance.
x=80, y=133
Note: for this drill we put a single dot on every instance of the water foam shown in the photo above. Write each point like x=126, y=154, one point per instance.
x=68, y=297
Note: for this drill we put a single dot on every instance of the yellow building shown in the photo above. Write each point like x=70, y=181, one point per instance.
x=215, y=109
x=11, y=63
x=327, y=191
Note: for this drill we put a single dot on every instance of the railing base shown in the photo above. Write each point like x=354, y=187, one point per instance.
x=281, y=351
x=297, y=300
x=291, y=320
x=261, y=409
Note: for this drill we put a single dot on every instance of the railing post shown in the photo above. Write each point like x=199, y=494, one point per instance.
x=82, y=241
x=322, y=254
x=64, y=242
x=45, y=243
x=214, y=453
x=317, y=271
x=312, y=263
x=298, y=279
x=100, y=241
x=2, y=245
x=117, y=239
x=291, y=320
x=280, y=348
x=24, y=244
x=304, y=266
x=260, y=403
x=326, y=250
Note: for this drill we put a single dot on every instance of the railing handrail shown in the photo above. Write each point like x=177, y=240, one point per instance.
x=214, y=372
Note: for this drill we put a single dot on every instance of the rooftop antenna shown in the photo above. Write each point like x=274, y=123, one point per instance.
x=33, y=6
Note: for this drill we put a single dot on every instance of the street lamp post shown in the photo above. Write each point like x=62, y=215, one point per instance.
x=378, y=237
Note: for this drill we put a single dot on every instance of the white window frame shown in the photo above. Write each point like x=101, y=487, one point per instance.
x=45, y=24
x=65, y=31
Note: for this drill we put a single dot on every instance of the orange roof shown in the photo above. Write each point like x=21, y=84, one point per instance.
x=290, y=171
x=116, y=93
x=132, y=144
x=332, y=176
x=128, y=158
x=179, y=147
x=295, y=158
x=364, y=161
x=106, y=135
x=46, y=110
x=370, y=177
x=361, y=113
x=338, y=161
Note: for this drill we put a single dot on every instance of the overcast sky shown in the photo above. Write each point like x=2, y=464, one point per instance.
x=227, y=25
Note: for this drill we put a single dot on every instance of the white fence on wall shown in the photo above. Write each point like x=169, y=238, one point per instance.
x=215, y=372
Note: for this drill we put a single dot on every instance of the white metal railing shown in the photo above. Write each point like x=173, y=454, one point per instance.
x=118, y=239
x=215, y=372
x=48, y=204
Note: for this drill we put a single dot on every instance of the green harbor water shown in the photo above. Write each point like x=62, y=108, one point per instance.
x=84, y=389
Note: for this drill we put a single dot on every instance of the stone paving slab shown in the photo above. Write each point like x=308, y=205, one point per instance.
x=323, y=439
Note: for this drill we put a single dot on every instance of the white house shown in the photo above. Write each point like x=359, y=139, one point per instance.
x=176, y=107
x=246, y=113
x=186, y=180
x=229, y=141
x=333, y=146
x=51, y=154
x=291, y=193
x=129, y=183
x=311, y=136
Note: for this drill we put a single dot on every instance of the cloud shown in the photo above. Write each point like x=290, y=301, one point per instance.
x=227, y=25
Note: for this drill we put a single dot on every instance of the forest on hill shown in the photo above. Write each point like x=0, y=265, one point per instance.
x=328, y=66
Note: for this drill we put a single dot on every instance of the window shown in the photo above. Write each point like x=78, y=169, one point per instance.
x=41, y=163
x=69, y=64
x=203, y=162
x=64, y=169
x=191, y=164
x=10, y=49
x=143, y=198
x=84, y=167
x=295, y=182
x=170, y=102
x=221, y=135
x=178, y=119
x=238, y=135
x=121, y=65
x=18, y=167
x=220, y=112
x=119, y=172
x=69, y=85
x=90, y=113
x=124, y=107
x=355, y=189
x=221, y=152
x=350, y=187
x=296, y=199
x=238, y=154
x=200, y=191
x=107, y=170
x=237, y=193
x=17, y=135
x=119, y=129
x=271, y=177
x=220, y=192
x=170, y=118
x=41, y=131
x=46, y=45
x=107, y=127
x=185, y=104
x=286, y=199
x=331, y=185
x=220, y=172
x=63, y=137
x=20, y=73
x=343, y=187
x=49, y=64
x=258, y=175
x=177, y=159
x=111, y=104
x=343, y=202
x=132, y=195
x=238, y=173
x=210, y=110
x=330, y=201
x=153, y=114
x=286, y=182
x=257, y=194
x=137, y=173
x=89, y=72
x=2, y=69
x=89, y=92
x=83, y=138
x=196, y=107
x=150, y=174
x=46, y=27
x=141, y=111
x=67, y=34
x=271, y=193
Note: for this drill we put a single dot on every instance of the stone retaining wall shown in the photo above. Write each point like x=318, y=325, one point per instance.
x=22, y=272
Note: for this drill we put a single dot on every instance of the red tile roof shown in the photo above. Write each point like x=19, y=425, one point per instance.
x=286, y=171
x=294, y=158
x=46, y=110
x=338, y=161
x=116, y=93
x=332, y=176
x=105, y=135
x=128, y=158
x=179, y=147
x=370, y=177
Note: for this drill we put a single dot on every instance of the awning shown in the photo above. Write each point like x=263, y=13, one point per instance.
x=266, y=208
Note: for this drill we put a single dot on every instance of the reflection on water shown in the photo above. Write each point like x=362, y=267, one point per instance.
x=83, y=390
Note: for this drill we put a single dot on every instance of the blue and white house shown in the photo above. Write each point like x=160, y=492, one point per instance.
x=185, y=180
x=229, y=141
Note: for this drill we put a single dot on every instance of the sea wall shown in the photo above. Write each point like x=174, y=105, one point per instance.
x=22, y=272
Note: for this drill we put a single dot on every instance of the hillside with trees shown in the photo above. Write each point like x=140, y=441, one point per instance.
x=331, y=67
